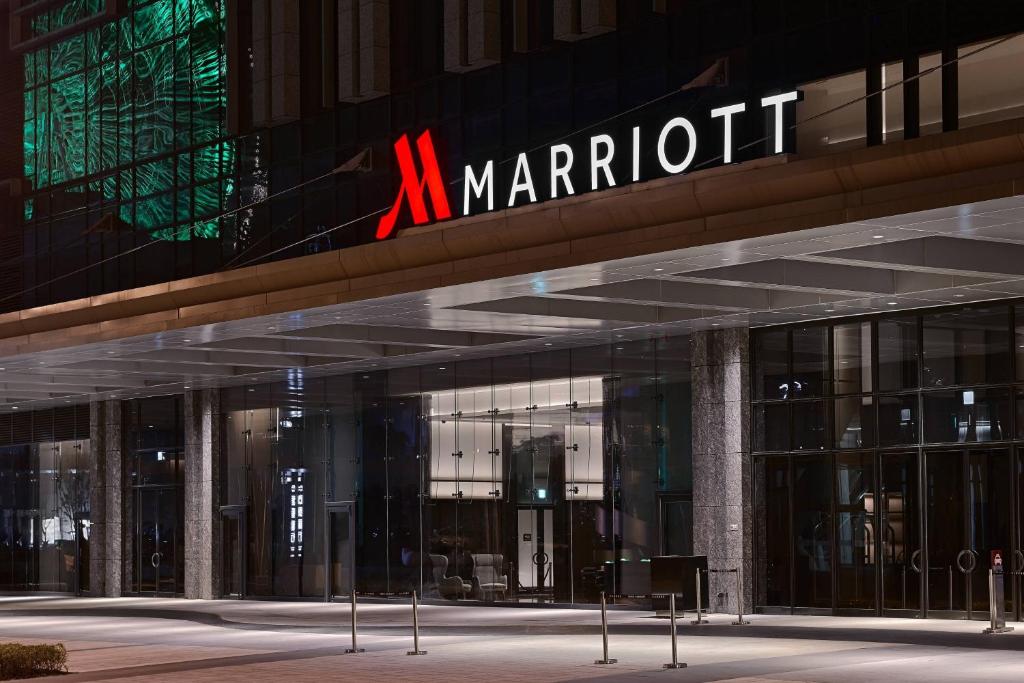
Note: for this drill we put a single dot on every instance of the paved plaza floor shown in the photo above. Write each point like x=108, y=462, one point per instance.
x=136, y=639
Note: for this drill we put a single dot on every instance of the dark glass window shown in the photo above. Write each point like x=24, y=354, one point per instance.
x=851, y=346
x=854, y=422
x=966, y=416
x=897, y=420
x=773, y=536
x=855, y=496
x=967, y=346
x=771, y=364
x=812, y=531
x=810, y=361
x=809, y=426
x=897, y=354
x=771, y=427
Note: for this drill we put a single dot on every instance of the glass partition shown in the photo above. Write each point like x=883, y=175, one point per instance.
x=530, y=478
x=886, y=490
x=45, y=483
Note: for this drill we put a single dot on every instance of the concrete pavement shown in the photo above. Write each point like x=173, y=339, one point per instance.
x=175, y=640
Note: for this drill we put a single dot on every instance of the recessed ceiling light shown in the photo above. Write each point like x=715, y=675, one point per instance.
x=877, y=237
x=186, y=340
x=659, y=270
x=958, y=296
x=830, y=310
x=714, y=324
x=891, y=303
x=14, y=407
x=547, y=343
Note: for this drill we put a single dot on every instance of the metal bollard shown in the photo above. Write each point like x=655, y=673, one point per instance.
x=740, y=621
x=604, y=633
x=415, y=629
x=996, y=613
x=699, y=621
x=355, y=646
x=675, y=664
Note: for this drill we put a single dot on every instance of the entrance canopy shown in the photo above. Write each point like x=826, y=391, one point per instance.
x=925, y=222
x=964, y=253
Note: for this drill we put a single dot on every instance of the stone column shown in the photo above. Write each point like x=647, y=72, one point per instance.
x=97, y=500
x=202, y=494
x=106, y=501
x=722, y=495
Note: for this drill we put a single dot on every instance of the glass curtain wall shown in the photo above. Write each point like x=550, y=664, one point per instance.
x=45, y=480
x=532, y=478
x=885, y=456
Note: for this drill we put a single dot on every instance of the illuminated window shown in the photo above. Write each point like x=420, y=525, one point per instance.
x=293, y=481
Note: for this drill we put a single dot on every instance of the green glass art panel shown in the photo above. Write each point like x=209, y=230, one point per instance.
x=184, y=204
x=153, y=23
x=135, y=92
x=30, y=134
x=207, y=200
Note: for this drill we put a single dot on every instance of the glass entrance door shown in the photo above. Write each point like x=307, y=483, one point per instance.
x=899, y=534
x=340, y=558
x=233, y=537
x=969, y=510
x=158, y=540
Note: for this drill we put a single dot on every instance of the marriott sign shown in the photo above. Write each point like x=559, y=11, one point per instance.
x=559, y=171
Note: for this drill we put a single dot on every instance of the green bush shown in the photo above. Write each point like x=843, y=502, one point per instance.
x=28, y=661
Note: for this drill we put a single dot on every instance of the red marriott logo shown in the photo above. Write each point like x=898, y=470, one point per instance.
x=413, y=186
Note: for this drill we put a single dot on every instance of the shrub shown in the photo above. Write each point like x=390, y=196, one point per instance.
x=28, y=661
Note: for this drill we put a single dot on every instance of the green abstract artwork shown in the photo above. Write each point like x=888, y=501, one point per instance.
x=134, y=107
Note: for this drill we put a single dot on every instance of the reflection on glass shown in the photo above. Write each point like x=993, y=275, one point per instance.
x=855, y=530
x=810, y=360
x=852, y=358
x=897, y=420
x=771, y=427
x=899, y=531
x=809, y=426
x=525, y=478
x=812, y=531
x=773, y=536
x=771, y=364
x=897, y=354
x=966, y=416
x=854, y=422
x=966, y=346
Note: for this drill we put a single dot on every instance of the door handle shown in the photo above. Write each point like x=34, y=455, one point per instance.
x=959, y=561
x=913, y=560
x=155, y=560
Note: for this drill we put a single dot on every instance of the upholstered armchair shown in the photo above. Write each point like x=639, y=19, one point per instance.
x=451, y=587
x=488, y=580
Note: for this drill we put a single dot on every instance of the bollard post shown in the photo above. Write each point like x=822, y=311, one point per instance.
x=949, y=572
x=415, y=629
x=740, y=621
x=996, y=608
x=675, y=664
x=355, y=649
x=699, y=621
x=604, y=633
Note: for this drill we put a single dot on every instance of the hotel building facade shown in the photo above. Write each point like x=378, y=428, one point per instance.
x=500, y=300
